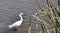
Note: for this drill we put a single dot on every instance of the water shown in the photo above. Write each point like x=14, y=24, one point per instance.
x=9, y=10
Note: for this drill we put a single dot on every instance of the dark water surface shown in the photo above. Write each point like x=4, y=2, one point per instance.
x=9, y=10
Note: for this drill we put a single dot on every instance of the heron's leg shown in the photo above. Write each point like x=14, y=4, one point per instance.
x=15, y=29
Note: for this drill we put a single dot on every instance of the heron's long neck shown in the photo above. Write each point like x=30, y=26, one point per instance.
x=21, y=18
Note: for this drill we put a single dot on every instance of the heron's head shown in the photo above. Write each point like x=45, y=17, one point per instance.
x=20, y=14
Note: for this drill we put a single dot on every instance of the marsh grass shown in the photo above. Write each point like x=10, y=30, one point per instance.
x=29, y=29
x=54, y=15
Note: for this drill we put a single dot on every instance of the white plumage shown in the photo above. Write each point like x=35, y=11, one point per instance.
x=17, y=23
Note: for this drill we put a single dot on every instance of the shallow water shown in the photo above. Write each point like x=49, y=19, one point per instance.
x=9, y=10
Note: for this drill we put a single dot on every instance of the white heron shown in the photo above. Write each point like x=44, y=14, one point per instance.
x=17, y=23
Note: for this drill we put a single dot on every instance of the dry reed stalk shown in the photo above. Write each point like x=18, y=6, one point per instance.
x=38, y=19
x=29, y=29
